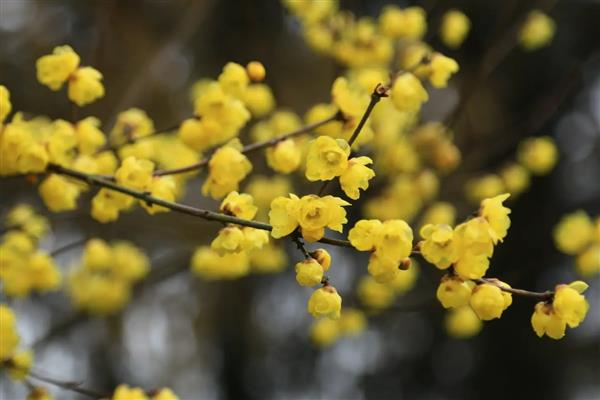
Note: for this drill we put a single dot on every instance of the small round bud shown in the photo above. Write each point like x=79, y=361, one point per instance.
x=256, y=71
x=323, y=257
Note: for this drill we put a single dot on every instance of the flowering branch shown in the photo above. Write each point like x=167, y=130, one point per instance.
x=254, y=146
x=379, y=92
x=182, y=208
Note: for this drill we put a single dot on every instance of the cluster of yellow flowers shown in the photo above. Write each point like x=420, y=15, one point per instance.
x=124, y=392
x=390, y=244
x=16, y=362
x=225, y=105
x=135, y=174
x=327, y=158
x=577, y=235
x=535, y=156
x=311, y=213
x=377, y=296
x=53, y=70
x=326, y=331
x=102, y=283
x=237, y=249
x=23, y=266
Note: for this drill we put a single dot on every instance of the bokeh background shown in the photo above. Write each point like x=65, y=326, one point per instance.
x=247, y=339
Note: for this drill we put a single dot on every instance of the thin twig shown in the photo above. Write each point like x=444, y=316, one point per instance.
x=66, y=385
x=252, y=147
x=379, y=92
x=543, y=296
x=68, y=247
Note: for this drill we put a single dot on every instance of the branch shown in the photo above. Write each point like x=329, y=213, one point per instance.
x=66, y=385
x=253, y=147
x=542, y=296
x=68, y=247
x=182, y=208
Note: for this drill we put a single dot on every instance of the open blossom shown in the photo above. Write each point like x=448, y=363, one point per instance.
x=326, y=158
x=356, y=176
x=227, y=168
x=311, y=213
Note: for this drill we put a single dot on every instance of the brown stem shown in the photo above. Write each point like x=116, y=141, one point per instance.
x=182, y=208
x=542, y=296
x=71, y=386
x=252, y=147
x=68, y=247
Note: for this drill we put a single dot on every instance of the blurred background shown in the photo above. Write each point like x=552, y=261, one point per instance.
x=247, y=339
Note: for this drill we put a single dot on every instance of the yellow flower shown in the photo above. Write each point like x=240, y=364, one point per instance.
x=214, y=103
x=474, y=245
x=54, y=69
x=229, y=240
x=454, y=29
x=438, y=70
x=462, y=322
x=405, y=278
x=438, y=247
x=356, y=176
x=537, y=31
x=545, y=321
x=162, y=187
x=497, y=216
x=454, y=292
x=135, y=173
x=129, y=263
x=284, y=157
x=9, y=338
x=208, y=264
x=227, y=168
x=58, y=193
x=85, y=86
x=364, y=234
x=89, y=137
x=282, y=215
x=309, y=272
x=21, y=363
x=574, y=232
x=256, y=71
x=408, y=94
x=259, y=99
x=325, y=302
x=516, y=178
x=269, y=259
x=588, y=262
x=107, y=204
x=488, y=301
x=5, y=105
x=383, y=269
x=394, y=240
x=44, y=273
x=315, y=213
x=570, y=305
x=325, y=332
x=124, y=392
x=165, y=394
x=352, y=322
x=375, y=295
x=538, y=155
x=326, y=158
x=240, y=205
x=406, y=23
x=233, y=79
x=131, y=124
x=483, y=187
x=323, y=257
